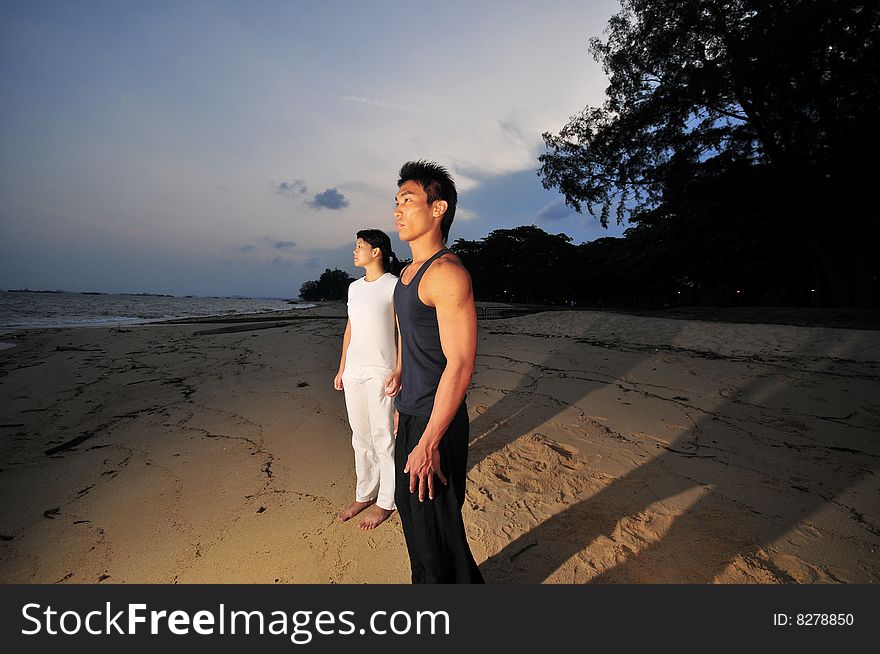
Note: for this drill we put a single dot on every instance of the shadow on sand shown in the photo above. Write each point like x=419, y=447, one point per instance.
x=756, y=459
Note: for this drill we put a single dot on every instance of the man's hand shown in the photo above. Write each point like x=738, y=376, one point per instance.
x=392, y=383
x=396, y=422
x=337, y=381
x=422, y=464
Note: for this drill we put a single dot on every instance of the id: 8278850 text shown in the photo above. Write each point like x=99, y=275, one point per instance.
x=813, y=620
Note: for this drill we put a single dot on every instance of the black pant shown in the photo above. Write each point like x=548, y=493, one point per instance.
x=434, y=531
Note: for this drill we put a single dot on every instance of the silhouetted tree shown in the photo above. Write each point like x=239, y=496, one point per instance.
x=332, y=285
x=775, y=95
x=523, y=264
x=721, y=253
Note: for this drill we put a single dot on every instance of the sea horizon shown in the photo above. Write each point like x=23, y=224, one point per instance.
x=29, y=309
x=147, y=294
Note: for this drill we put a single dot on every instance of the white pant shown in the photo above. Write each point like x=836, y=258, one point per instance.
x=371, y=416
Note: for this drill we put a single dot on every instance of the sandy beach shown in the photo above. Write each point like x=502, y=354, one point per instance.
x=606, y=448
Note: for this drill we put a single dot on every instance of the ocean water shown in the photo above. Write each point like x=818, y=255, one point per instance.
x=21, y=309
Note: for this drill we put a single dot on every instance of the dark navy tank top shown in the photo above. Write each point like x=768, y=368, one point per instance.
x=422, y=358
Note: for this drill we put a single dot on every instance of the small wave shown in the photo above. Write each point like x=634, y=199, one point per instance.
x=42, y=311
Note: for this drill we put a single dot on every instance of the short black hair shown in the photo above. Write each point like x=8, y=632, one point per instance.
x=437, y=184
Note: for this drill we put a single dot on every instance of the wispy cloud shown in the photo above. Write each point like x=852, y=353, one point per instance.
x=281, y=262
x=329, y=199
x=291, y=189
x=378, y=103
x=555, y=210
x=521, y=138
x=465, y=214
x=267, y=241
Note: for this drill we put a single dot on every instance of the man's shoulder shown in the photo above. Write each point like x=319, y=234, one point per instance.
x=448, y=266
x=447, y=275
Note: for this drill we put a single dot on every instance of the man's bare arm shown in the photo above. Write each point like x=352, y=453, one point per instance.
x=451, y=293
x=449, y=290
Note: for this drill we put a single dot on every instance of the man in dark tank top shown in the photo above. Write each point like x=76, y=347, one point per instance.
x=437, y=321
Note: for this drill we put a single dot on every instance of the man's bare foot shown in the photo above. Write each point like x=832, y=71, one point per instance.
x=352, y=510
x=375, y=517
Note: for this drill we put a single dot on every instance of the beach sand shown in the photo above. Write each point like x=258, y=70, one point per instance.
x=605, y=448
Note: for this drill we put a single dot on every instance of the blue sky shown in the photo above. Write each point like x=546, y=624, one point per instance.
x=221, y=148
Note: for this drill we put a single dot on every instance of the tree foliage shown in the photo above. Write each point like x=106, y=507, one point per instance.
x=710, y=267
x=523, y=264
x=331, y=285
x=715, y=106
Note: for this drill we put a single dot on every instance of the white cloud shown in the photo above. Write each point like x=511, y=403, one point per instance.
x=465, y=214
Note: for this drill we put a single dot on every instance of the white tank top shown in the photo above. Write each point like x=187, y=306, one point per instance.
x=371, y=313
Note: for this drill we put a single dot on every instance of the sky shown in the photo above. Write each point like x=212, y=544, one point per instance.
x=234, y=148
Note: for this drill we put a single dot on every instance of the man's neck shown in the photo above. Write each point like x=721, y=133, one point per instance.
x=424, y=247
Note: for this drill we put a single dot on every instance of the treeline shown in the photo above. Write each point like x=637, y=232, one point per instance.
x=331, y=285
x=667, y=263
x=710, y=260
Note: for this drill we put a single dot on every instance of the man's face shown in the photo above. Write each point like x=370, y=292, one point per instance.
x=413, y=217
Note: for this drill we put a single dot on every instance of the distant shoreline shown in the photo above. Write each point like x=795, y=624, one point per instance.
x=38, y=310
x=206, y=297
